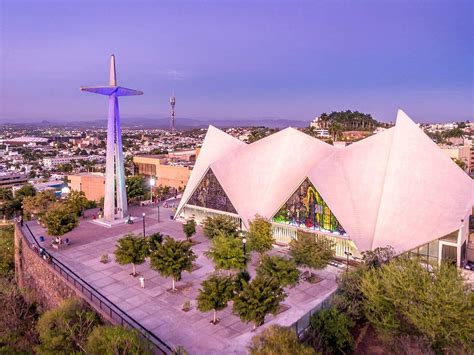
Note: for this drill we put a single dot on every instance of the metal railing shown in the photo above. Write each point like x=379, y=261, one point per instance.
x=96, y=298
x=302, y=324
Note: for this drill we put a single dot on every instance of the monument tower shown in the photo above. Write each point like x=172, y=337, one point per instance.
x=115, y=198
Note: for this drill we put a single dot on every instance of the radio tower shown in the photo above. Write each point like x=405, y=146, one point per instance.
x=172, y=104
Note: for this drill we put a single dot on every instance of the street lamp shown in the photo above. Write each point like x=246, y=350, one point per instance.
x=348, y=253
x=143, y=215
x=152, y=184
x=244, y=243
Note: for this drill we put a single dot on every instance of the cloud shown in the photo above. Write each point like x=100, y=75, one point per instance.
x=172, y=74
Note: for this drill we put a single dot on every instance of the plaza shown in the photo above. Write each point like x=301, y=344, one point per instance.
x=154, y=306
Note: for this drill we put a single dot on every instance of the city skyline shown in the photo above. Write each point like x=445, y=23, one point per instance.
x=239, y=60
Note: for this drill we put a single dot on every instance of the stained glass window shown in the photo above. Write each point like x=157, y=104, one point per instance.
x=210, y=194
x=307, y=209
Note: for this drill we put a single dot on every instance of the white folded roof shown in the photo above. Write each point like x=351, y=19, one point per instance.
x=394, y=188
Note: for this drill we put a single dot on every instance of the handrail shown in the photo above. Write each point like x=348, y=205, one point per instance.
x=100, y=299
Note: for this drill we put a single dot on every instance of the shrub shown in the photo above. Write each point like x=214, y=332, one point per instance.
x=111, y=340
x=311, y=250
x=66, y=328
x=283, y=270
x=349, y=298
x=218, y=225
x=404, y=298
x=277, y=340
x=330, y=332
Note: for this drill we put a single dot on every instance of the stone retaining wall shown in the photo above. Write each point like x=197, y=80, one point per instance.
x=39, y=281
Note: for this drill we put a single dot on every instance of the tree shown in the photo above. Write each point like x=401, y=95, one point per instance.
x=214, y=294
x=311, y=250
x=111, y=340
x=278, y=340
x=260, y=236
x=172, y=258
x=77, y=202
x=59, y=220
x=378, y=257
x=330, y=332
x=154, y=241
x=261, y=297
x=24, y=191
x=18, y=316
x=66, y=328
x=135, y=187
x=189, y=228
x=461, y=163
x=131, y=250
x=220, y=224
x=335, y=130
x=404, y=298
x=40, y=203
x=348, y=298
x=227, y=253
x=283, y=270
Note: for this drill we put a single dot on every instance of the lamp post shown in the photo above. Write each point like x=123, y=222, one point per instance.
x=152, y=184
x=348, y=253
x=244, y=242
x=158, y=207
x=143, y=215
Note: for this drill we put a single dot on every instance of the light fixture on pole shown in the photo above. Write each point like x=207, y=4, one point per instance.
x=152, y=184
x=143, y=215
x=244, y=243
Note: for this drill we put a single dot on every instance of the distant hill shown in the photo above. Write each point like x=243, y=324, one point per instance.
x=163, y=123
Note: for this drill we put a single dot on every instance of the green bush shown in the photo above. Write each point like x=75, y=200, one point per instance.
x=260, y=236
x=7, y=262
x=227, y=253
x=349, y=298
x=330, y=332
x=404, y=298
x=113, y=340
x=278, y=340
x=65, y=329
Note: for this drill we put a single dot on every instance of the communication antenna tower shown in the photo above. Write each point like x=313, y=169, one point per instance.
x=172, y=104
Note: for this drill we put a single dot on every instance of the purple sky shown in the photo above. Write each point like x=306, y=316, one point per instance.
x=238, y=59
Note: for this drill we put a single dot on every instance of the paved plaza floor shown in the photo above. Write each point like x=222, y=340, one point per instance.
x=161, y=311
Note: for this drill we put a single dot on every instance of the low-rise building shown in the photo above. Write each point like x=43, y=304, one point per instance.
x=461, y=153
x=165, y=171
x=92, y=184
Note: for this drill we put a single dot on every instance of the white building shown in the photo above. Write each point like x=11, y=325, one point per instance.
x=394, y=188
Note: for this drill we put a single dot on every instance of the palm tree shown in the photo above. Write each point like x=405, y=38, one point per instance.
x=336, y=131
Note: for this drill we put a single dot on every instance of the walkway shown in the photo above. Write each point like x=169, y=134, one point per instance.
x=154, y=306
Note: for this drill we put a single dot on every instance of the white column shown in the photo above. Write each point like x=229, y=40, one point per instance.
x=122, y=209
x=109, y=197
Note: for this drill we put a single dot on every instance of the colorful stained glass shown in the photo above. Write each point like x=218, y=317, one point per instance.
x=210, y=194
x=307, y=209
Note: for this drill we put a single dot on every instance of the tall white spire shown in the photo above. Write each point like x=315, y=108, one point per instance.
x=115, y=198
